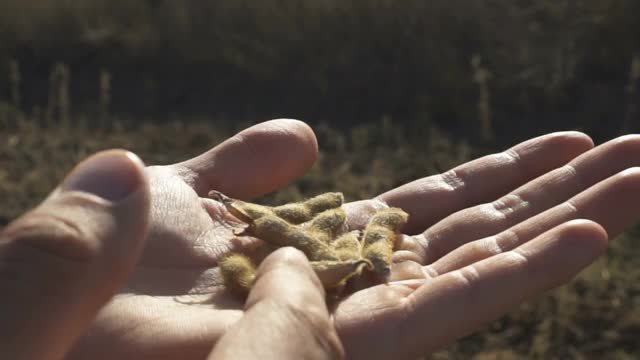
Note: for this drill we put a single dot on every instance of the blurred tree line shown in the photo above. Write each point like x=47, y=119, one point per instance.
x=501, y=68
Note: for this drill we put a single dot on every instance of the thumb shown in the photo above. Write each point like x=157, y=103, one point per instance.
x=61, y=262
x=286, y=315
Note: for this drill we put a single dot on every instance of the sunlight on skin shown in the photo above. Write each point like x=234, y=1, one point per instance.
x=482, y=238
x=372, y=307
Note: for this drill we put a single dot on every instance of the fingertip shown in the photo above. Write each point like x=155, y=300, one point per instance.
x=288, y=300
x=576, y=136
x=566, y=249
x=288, y=257
x=631, y=175
x=301, y=133
x=112, y=175
x=255, y=161
x=289, y=261
x=75, y=250
x=562, y=145
x=102, y=205
x=585, y=227
x=285, y=148
x=286, y=276
x=586, y=234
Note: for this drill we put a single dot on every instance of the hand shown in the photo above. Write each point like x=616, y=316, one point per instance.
x=60, y=263
x=286, y=316
x=448, y=280
x=491, y=234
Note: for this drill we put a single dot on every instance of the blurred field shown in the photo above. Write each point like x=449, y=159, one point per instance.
x=595, y=317
x=537, y=65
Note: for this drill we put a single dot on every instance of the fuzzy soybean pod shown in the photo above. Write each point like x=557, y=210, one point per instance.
x=238, y=272
x=248, y=212
x=380, y=238
x=334, y=274
x=298, y=213
x=327, y=224
x=277, y=231
x=244, y=211
x=348, y=246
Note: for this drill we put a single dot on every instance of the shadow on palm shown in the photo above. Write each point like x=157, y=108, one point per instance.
x=490, y=234
x=178, y=269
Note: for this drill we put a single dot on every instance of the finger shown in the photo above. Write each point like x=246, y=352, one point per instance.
x=61, y=262
x=430, y=199
x=286, y=315
x=484, y=291
x=530, y=199
x=255, y=161
x=594, y=204
x=458, y=303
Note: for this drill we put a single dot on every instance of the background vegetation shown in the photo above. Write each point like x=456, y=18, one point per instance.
x=395, y=90
x=543, y=64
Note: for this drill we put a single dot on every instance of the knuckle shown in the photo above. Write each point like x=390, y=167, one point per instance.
x=453, y=180
x=289, y=259
x=314, y=320
x=51, y=235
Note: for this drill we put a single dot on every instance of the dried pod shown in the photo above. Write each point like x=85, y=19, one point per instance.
x=390, y=218
x=238, y=272
x=324, y=202
x=298, y=213
x=258, y=252
x=246, y=212
x=326, y=225
x=277, y=231
x=314, y=227
x=379, y=254
x=380, y=237
x=333, y=274
x=348, y=246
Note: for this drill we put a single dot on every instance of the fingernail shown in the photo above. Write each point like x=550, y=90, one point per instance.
x=111, y=175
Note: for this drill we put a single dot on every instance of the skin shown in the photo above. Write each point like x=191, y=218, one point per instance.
x=61, y=262
x=504, y=229
x=283, y=321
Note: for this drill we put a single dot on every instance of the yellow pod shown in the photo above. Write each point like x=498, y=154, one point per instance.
x=327, y=224
x=277, y=231
x=385, y=225
x=244, y=211
x=295, y=213
x=298, y=213
x=333, y=274
x=348, y=246
x=374, y=234
x=248, y=212
x=258, y=252
x=324, y=202
x=380, y=237
x=390, y=218
x=379, y=254
x=238, y=272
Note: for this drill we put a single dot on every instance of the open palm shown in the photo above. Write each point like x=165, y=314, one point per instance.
x=483, y=237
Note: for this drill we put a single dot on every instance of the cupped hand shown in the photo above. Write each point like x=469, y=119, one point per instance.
x=283, y=319
x=61, y=262
x=482, y=238
x=489, y=235
x=174, y=305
